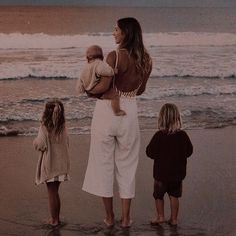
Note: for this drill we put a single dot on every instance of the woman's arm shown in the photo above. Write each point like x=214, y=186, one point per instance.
x=102, y=86
x=111, y=59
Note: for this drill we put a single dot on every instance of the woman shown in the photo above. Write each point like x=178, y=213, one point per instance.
x=115, y=140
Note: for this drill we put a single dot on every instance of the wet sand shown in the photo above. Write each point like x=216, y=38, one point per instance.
x=206, y=208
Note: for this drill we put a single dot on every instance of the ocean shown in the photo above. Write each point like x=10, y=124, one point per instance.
x=193, y=67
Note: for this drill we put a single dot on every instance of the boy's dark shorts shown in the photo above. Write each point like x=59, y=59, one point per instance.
x=174, y=189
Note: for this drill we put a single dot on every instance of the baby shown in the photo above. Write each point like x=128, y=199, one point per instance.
x=93, y=79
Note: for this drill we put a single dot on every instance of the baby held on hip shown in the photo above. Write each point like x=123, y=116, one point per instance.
x=97, y=79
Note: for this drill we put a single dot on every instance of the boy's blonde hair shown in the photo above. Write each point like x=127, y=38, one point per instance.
x=169, y=119
x=94, y=52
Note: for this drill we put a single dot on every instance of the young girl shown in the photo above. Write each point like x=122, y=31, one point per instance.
x=169, y=147
x=53, y=164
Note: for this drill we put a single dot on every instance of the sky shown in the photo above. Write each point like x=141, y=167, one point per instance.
x=148, y=3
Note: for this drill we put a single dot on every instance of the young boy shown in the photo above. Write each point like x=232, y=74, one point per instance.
x=169, y=147
x=94, y=77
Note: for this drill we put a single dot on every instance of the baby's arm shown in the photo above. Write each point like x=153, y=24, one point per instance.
x=105, y=74
x=79, y=87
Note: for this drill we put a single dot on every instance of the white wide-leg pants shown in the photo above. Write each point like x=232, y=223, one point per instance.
x=114, y=150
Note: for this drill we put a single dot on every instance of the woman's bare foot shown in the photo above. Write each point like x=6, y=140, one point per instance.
x=157, y=221
x=125, y=223
x=120, y=113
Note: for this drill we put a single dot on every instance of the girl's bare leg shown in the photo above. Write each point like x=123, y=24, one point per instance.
x=54, y=202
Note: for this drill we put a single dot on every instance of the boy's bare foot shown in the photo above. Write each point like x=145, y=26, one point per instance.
x=120, y=113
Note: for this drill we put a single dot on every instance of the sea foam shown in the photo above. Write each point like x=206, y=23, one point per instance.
x=41, y=40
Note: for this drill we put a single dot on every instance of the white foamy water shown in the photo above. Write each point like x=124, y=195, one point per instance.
x=194, y=70
x=174, y=54
x=41, y=40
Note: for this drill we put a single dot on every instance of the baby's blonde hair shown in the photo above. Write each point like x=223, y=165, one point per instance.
x=169, y=119
x=94, y=52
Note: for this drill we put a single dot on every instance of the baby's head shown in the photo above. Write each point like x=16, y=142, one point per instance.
x=94, y=52
x=169, y=119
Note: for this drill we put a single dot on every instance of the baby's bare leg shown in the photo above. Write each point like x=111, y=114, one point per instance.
x=115, y=104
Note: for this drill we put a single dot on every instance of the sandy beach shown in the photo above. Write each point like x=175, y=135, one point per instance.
x=206, y=208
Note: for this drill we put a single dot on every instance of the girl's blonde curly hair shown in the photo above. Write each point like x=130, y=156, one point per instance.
x=53, y=116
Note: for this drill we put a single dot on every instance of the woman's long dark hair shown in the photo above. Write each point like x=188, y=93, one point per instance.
x=53, y=116
x=133, y=42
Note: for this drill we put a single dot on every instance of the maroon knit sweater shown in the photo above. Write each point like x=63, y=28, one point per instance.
x=170, y=153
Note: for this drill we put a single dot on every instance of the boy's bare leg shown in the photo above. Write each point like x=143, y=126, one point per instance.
x=160, y=212
x=115, y=103
x=174, y=207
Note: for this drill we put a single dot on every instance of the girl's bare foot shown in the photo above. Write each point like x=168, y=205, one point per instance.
x=109, y=222
x=52, y=223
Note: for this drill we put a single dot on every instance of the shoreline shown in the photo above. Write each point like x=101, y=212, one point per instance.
x=205, y=207
x=8, y=131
